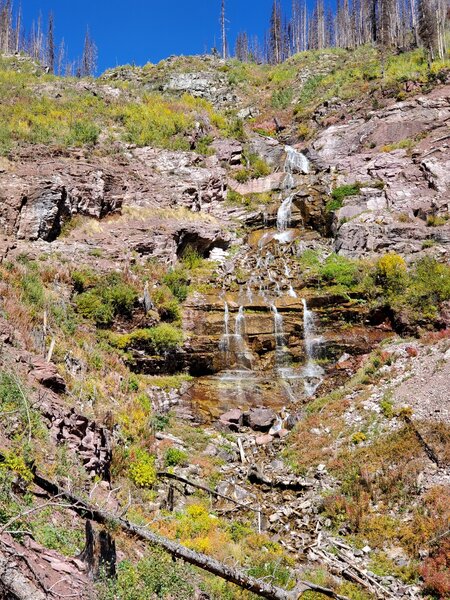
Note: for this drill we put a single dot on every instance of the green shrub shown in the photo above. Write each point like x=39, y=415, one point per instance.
x=243, y=175
x=340, y=270
x=259, y=166
x=83, y=132
x=15, y=463
x=340, y=193
x=391, y=273
x=165, y=337
x=103, y=300
x=282, y=98
x=155, y=576
x=203, y=146
x=63, y=539
x=174, y=457
x=234, y=198
x=167, y=305
x=178, y=282
x=255, y=167
x=91, y=305
x=83, y=279
x=171, y=311
x=436, y=220
x=121, y=297
x=387, y=406
x=160, y=339
x=156, y=123
x=333, y=205
x=142, y=471
x=191, y=258
x=429, y=286
x=33, y=290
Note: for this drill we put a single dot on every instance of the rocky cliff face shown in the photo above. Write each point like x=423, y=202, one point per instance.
x=288, y=365
x=401, y=187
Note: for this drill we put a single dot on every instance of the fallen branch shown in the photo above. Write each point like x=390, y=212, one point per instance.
x=296, y=485
x=429, y=451
x=206, y=563
x=165, y=475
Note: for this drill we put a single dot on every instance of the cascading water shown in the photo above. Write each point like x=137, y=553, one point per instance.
x=225, y=340
x=284, y=214
x=240, y=322
x=271, y=277
x=312, y=372
x=233, y=346
x=280, y=342
x=291, y=292
x=296, y=162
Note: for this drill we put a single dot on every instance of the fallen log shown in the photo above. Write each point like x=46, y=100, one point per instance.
x=295, y=485
x=429, y=451
x=165, y=475
x=206, y=563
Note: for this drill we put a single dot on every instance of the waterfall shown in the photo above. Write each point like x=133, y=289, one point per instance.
x=280, y=352
x=227, y=320
x=240, y=322
x=291, y=292
x=232, y=345
x=284, y=214
x=278, y=322
x=224, y=344
x=296, y=162
x=249, y=291
x=312, y=372
x=308, y=329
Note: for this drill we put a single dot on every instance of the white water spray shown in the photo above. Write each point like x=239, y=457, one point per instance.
x=312, y=372
x=296, y=162
x=240, y=322
x=284, y=214
x=291, y=292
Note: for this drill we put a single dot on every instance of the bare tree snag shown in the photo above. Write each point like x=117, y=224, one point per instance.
x=99, y=553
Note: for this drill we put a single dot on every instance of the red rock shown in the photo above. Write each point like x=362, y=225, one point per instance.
x=282, y=433
x=412, y=351
x=260, y=419
x=263, y=440
x=47, y=374
x=233, y=416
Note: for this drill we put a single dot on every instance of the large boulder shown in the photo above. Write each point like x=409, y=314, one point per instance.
x=260, y=419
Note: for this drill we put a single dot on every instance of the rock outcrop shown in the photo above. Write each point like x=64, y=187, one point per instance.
x=402, y=187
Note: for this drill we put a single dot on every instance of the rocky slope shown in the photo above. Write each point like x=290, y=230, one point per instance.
x=224, y=315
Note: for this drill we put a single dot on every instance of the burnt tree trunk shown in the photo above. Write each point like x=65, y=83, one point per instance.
x=99, y=553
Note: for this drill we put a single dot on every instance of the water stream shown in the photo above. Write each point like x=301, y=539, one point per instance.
x=284, y=214
x=312, y=372
x=271, y=277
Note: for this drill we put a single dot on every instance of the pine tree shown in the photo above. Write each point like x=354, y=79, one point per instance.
x=61, y=57
x=388, y=13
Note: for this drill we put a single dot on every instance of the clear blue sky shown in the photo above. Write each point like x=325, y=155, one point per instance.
x=148, y=30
